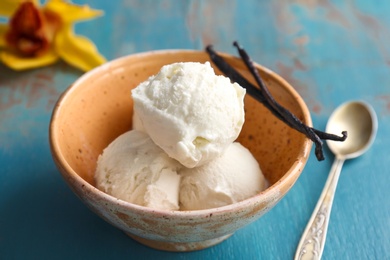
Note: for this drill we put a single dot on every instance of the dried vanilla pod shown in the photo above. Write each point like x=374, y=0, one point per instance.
x=263, y=95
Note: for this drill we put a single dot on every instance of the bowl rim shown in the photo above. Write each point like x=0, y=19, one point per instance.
x=269, y=193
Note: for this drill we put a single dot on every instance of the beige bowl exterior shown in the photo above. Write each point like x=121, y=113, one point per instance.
x=98, y=107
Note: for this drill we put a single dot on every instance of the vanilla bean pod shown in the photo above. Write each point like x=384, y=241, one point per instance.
x=287, y=116
x=264, y=96
x=256, y=93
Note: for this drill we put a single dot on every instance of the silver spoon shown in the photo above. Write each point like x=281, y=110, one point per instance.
x=360, y=121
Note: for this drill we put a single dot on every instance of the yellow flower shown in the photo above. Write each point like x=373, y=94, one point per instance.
x=39, y=35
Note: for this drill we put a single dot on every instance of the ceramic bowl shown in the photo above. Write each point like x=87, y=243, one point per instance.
x=98, y=107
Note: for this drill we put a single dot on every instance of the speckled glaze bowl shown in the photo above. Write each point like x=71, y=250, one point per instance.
x=98, y=107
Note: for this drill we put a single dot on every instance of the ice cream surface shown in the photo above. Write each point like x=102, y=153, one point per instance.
x=230, y=178
x=181, y=153
x=132, y=168
x=190, y=112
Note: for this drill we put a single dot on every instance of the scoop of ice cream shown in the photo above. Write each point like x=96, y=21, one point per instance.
x=134, y=169
x=137, y=123
x=230, y=178
x=190, y=112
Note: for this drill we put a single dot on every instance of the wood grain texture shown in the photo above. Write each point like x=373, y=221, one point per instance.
x=330, y=51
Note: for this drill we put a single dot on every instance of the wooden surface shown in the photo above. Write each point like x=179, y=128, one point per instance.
x=330, y=51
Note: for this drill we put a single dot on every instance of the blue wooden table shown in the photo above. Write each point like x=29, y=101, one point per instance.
x=330, y=51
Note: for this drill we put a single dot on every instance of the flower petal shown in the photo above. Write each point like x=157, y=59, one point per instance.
x=78, y=51
x=8, y=7
x=71, y=13
x=22, y=63
x=3, y=30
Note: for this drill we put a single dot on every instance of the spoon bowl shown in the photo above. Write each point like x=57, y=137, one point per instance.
x=359, y=120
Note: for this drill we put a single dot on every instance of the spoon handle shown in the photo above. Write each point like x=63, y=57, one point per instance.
x=313, y=239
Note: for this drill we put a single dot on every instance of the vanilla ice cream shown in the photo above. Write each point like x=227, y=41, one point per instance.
x=229, y=178
x=132, y=168
x=181, y=154
x=190, y=112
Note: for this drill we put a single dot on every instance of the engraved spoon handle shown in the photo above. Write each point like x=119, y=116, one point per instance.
x=313, y=238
